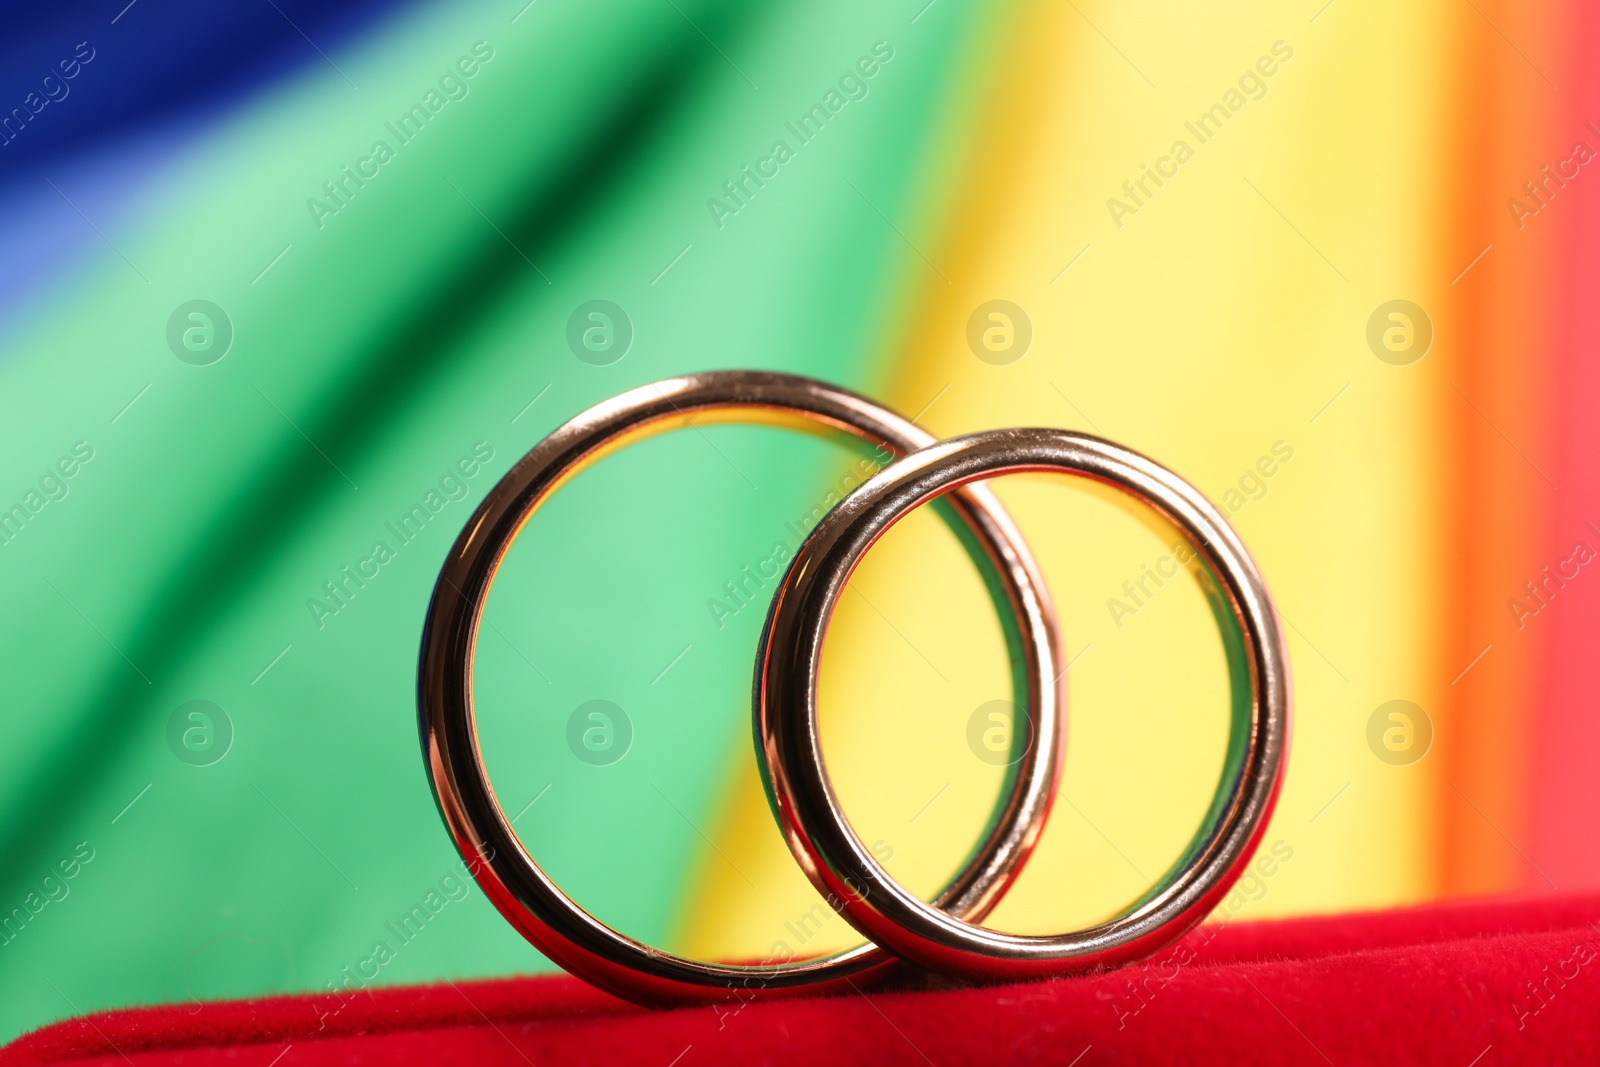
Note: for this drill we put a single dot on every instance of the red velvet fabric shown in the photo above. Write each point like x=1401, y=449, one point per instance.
x=1476, y=984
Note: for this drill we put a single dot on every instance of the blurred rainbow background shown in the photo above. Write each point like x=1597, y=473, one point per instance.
x=1427, y=536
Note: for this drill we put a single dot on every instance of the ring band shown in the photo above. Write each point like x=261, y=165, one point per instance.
x=790, y=753
x=510, y=877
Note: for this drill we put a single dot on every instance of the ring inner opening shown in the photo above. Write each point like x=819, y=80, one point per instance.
x=912, y=735
x=612, y=682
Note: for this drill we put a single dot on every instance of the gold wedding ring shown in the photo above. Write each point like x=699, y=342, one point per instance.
x=790, y=751
x=941, y=935
x=514, y=881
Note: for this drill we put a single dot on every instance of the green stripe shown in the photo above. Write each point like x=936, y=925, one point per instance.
x=374, y=354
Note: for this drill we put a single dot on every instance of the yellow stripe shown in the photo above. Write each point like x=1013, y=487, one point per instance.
x=1211, y=330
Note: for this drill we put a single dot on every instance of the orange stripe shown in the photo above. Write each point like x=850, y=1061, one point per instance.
x=1505, y=325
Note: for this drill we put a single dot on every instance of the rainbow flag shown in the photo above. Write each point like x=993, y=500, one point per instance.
x=289, y=289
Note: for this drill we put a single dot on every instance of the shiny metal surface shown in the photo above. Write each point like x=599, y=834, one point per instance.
x=512, y=879
x=818, y=832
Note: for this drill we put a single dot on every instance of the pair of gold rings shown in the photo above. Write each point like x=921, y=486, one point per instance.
x=942, y=935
